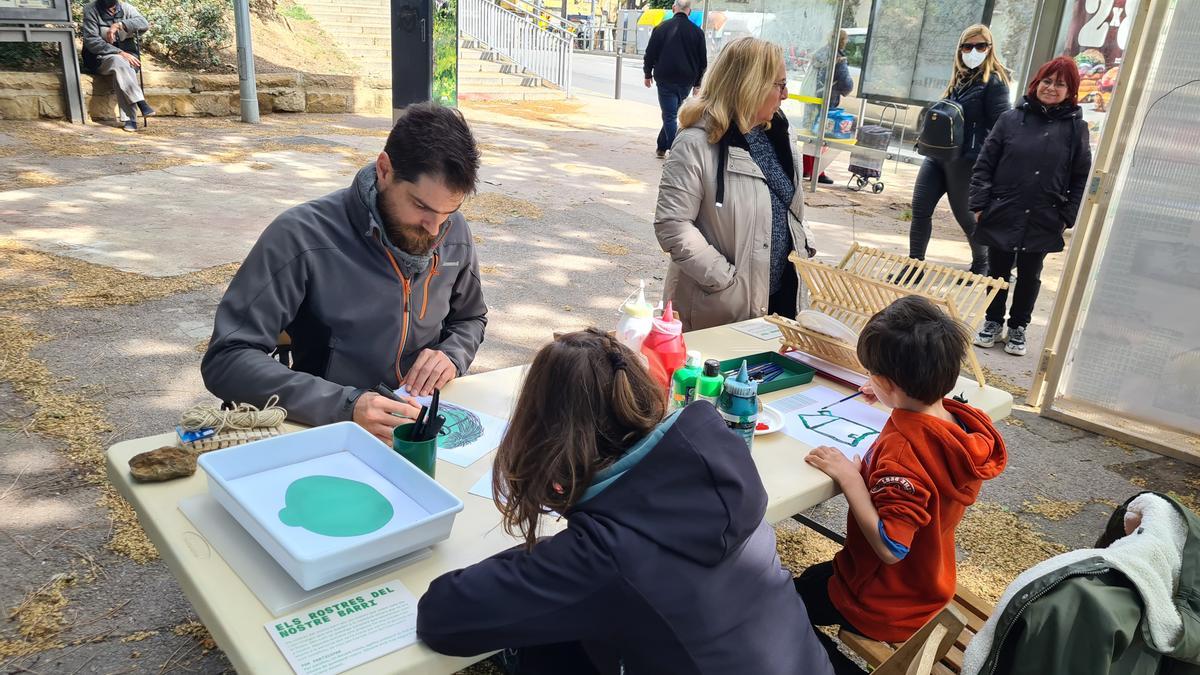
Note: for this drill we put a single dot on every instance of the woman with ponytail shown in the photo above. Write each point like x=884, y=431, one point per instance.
x=666, y=564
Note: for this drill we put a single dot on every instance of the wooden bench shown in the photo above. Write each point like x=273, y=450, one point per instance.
x=972, y=611
x=921, y=654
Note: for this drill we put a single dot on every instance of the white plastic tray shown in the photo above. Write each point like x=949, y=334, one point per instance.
x=251, y=481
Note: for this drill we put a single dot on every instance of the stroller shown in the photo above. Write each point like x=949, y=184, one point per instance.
x=866, y=169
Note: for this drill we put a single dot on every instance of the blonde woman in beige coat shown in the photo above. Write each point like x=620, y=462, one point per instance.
x=730, y=206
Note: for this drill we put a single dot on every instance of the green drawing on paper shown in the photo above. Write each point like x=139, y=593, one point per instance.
x=334, y=507
x=837, y=428
x=462, y=427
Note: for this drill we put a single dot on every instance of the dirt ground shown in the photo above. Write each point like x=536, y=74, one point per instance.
x=114, y=252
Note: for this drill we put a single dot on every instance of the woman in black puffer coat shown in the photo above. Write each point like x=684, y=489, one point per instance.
x=1026, y=191
x=980, y=85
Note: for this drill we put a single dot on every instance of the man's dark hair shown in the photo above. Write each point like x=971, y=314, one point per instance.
x=433, y=140
x=915, y=345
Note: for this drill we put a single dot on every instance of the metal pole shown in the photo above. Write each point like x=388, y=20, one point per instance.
x=833, y=57
x=617, y=93
x=245, y=55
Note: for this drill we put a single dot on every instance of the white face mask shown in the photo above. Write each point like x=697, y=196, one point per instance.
x=974, y=59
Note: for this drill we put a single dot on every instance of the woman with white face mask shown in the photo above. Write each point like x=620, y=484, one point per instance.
x=980, y=85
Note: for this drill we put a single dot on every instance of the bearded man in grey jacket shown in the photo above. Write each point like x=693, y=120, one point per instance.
x=375, y=284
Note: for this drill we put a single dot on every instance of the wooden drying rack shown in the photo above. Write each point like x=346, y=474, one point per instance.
x=866, y=281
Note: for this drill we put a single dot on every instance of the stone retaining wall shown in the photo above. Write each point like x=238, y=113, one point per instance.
x=26, y=96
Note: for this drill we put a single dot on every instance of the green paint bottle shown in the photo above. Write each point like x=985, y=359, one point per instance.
x=683, y=382
x=738, y=404
x=708, y=385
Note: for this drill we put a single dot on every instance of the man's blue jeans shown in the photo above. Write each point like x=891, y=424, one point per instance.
x=670, y=97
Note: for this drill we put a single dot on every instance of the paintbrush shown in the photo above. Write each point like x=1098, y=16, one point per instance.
x=434, y=428
x=857, y=393
x=389, y=394
x=432, y=417
x=418, y=424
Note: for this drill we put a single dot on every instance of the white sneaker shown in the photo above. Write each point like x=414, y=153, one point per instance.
x=1016, y=341
x=988, y=335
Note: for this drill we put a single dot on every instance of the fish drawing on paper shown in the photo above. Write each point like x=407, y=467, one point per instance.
x=462, y=427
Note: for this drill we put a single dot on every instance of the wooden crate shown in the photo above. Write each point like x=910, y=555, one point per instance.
x=866, y=281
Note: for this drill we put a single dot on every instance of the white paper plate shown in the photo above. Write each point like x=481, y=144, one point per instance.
x=827, y=325
x=770, y=417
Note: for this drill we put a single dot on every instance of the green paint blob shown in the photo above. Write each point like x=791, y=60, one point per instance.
x=334, y=507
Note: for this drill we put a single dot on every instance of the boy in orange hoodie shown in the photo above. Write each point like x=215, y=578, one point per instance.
x=897, y=567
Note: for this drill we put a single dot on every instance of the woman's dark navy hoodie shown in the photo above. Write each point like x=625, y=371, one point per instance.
x=666, y=566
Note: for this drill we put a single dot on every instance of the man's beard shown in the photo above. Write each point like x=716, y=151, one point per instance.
x=412, y=239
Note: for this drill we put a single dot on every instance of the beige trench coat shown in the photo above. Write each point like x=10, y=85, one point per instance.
x=720, y=255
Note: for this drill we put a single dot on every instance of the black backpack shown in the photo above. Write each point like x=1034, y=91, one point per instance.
x=942, y=133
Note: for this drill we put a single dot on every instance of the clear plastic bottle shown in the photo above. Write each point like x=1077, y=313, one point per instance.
x=637, y=318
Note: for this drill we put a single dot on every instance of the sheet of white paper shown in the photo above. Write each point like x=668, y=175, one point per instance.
x=467, y=435
x=341, y=634
x=850, y=426
x=759, y=329
x=483, y=486
x=423, y=400
x=830, y=369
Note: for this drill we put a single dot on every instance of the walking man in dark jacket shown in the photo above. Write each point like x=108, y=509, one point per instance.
x=375, y=284
x=676, y=57
x=110, y=30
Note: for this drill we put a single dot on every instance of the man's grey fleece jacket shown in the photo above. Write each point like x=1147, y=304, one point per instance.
x=357, y=311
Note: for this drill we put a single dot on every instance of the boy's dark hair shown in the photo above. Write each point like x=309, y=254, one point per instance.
x=915, y=345
x=433, y=140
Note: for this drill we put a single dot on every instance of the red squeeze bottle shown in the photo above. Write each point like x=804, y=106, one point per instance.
x=664, y=347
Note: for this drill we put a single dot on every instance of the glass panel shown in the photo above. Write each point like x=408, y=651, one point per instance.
x=803, y=28
x=445, y=52
x=34, y=11
x=1095, y=34
x=1011, y=20
x=911, y=47
x=1137, y=351
x=26, y=4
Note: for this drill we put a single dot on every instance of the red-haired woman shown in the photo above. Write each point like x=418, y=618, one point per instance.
x=1026, y=190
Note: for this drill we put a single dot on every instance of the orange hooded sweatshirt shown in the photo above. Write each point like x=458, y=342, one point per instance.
x=922, y=473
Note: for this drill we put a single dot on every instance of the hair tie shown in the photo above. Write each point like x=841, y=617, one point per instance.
x=617, y=360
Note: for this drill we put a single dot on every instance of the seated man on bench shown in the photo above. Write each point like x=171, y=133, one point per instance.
x=110, y=30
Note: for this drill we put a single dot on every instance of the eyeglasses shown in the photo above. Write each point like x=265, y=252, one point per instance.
x=781, y=86
x=1047, y=82
x=966, y=47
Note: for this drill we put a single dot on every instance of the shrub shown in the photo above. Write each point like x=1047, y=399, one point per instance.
x=34, y=56
x=187, y=31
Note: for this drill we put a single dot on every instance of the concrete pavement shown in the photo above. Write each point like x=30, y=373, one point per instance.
x=563, y=223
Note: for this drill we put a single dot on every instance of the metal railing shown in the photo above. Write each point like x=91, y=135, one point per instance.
x=542, y=17
x=541, y=47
